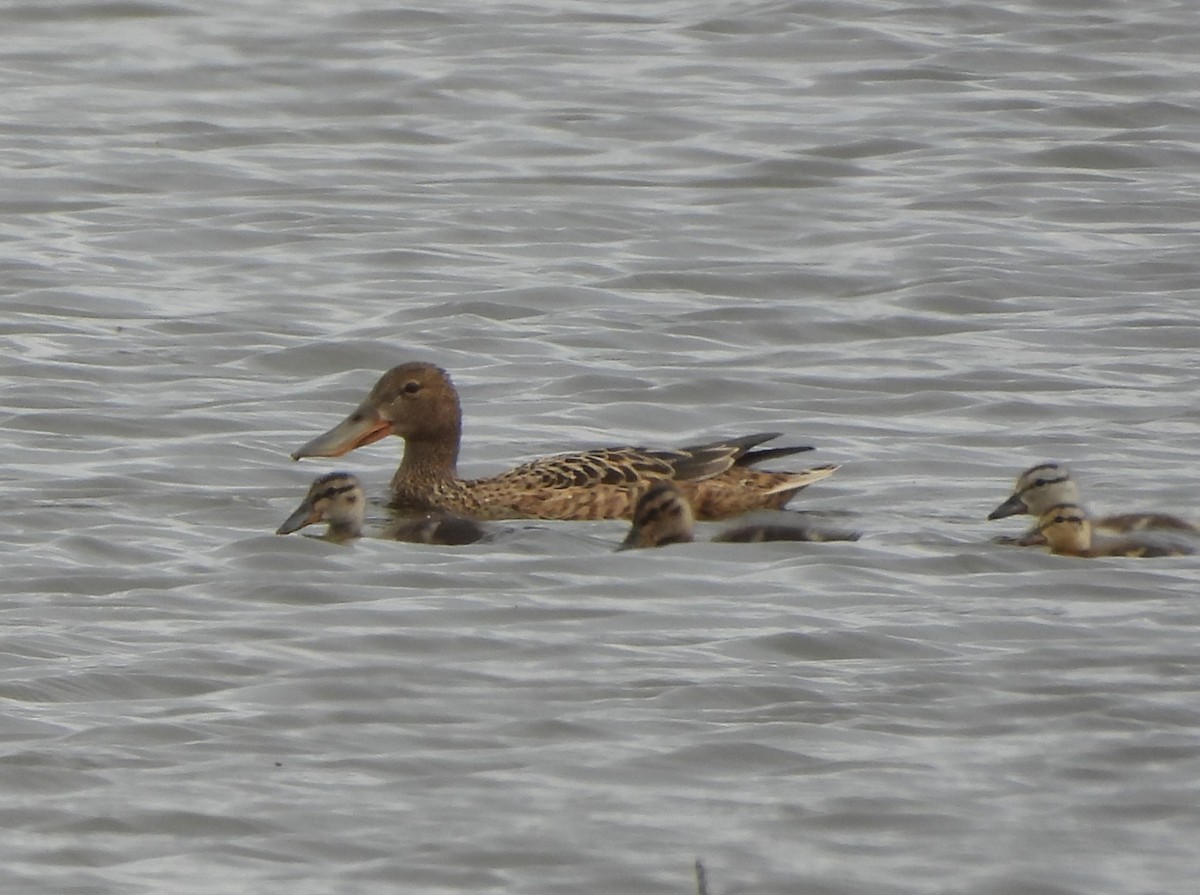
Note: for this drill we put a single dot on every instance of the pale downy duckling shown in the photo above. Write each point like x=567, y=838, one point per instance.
x=1067, y=531
x=663, y=516
x=339, y=500
x=1050, y=484
x=418, y=403
x=336, y=498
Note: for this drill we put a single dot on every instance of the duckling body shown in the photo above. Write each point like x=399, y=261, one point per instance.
x=663, y=516
x=445, y=529
x=1046, y=485
x=418, y=403
x=1067, y=531
x=339, y=500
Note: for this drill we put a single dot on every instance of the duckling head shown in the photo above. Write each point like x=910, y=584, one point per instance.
x=416, y=401
x=662, y=516
x=336, y=498
x=1037, y=489
x=1064, y=528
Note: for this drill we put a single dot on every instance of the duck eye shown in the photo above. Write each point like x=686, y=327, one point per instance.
x=411, y=388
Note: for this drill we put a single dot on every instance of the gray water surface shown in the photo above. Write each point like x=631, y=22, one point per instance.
x=939, y=243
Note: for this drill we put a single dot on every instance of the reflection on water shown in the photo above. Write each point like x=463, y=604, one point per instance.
x=939, y=245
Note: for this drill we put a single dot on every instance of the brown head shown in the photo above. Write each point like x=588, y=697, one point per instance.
x=416, y=401
x=336, y=498
x=1064, y=529
x=1037, y=489
x=662, y=516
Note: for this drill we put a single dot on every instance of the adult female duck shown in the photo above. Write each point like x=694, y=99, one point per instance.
x=418, y=402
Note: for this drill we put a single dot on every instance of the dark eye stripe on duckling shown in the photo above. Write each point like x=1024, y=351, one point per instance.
x=1032, y=469
x=1042, y=483
x=332, y=492
x=1063, y=513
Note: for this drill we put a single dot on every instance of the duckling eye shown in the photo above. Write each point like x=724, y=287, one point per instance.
x=411, y=388
x=351, y=498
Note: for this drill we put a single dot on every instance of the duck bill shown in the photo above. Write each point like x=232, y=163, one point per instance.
x=359, y=428
x=304, y=515
x=1014, y=506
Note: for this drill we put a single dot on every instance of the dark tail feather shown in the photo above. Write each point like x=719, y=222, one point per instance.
x=701, y=461
x=734, y=446
x=750, y=458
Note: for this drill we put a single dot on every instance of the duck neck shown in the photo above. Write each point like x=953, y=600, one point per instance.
x=429, y=459
x=1074, y=541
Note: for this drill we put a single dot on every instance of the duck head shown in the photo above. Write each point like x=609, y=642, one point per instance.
x=662, y=516
x=1037, y=489
x=1064, y=528
x=336, y=498
x=416, y=401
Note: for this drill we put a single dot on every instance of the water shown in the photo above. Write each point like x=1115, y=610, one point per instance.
x=939, y=243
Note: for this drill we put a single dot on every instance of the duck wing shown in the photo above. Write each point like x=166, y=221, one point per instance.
x=635, y=465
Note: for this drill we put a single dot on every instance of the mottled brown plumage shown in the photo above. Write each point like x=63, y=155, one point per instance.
x=418, y=402
x=663, y=516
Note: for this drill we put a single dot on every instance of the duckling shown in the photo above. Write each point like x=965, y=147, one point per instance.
x=419, y=403
x=1049, y=484
x=443, y=529
x=338, y=499
x=1067, y=531
x=663, y=516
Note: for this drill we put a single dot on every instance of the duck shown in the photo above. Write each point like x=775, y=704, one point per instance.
x=663, y=516
x=1066, y=529
x=418, y=402
x=339, y=500
x=1045, y=485
x=436, y=528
